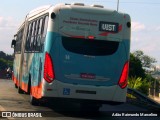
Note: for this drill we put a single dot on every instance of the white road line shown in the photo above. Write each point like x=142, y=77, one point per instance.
x=3, y=110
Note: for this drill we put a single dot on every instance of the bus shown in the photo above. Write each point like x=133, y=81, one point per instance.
x=75, y=52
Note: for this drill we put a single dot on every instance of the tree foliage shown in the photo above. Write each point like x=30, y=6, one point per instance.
x=138, y=78
x=6, y=56
x=146, y=60
x=135, y=67
x=139, y=84
x=134, y=82
x=5, y=61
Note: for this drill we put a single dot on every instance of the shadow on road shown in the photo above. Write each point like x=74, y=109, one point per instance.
x=72, y=109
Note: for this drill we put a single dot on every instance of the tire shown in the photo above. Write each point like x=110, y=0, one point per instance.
x=20, y=91
x=29, y=87
x=15, y=86
x=34, y=101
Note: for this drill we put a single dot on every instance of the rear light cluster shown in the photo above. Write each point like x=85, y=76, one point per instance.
x=124, y=76
x=49, y=74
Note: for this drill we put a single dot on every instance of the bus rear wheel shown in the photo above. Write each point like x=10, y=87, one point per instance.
x=33, y=100
x=15, y=86
x=20, y=91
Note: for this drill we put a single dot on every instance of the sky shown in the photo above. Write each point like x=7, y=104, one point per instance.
x=145, y=17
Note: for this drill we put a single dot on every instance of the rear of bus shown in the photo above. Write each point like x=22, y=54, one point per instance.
x=88, y=50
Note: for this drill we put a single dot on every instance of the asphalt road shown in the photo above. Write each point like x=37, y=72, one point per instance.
x=11, y=101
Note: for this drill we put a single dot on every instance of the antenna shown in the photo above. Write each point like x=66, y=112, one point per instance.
x=117, y=5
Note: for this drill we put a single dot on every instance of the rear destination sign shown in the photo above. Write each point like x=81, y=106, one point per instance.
x=108, y=26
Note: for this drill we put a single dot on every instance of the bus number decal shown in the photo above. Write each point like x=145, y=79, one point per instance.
x=108, y=27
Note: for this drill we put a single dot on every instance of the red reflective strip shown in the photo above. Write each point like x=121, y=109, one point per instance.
x=49, y=89
x=104, y=34
x=78, y=37
x=74, y=36
x=119, y=28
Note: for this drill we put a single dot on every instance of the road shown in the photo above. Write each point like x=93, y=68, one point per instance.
x=10, y=100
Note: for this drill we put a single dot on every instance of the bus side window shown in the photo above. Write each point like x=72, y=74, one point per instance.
x=39, y=36
x=35, y=36
x=27, y=46
x=45, y=27
x=44, y=30
x=19, y=41
x=32, y=36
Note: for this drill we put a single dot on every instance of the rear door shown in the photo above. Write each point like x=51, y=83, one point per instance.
x=90, y=62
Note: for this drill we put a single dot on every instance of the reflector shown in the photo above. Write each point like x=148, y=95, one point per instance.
x=91, y=37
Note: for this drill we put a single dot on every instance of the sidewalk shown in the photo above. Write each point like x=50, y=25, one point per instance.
x=157, y=99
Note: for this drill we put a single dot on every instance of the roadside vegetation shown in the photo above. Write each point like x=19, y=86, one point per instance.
x=6, y=61
x=141, y=67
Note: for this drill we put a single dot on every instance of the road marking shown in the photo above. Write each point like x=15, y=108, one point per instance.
x=2, y=110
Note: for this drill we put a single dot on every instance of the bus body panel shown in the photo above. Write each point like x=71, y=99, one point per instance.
x=102, y=26
x=16, y=67
x=59, y=89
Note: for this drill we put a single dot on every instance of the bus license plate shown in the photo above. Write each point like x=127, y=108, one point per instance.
x=87, y=75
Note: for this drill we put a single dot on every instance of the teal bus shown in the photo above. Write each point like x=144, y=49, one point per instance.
x=73, y=51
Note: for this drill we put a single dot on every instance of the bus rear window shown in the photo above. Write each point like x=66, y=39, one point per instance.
x=90, y=47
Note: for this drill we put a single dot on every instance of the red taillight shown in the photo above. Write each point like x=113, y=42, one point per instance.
x=48, y=69
x=124, y=76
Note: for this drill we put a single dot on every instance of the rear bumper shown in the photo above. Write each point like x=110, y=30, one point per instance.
x=74, y=100
x=104, y=94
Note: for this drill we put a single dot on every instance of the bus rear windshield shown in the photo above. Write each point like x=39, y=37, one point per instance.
x=93, y=47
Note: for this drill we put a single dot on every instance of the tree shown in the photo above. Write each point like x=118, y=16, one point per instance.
x=134, y=82
x=138, y=79
x=5, y=60
x=142, y=85
x=5, y=64
x=135, y=67
x=147, y=61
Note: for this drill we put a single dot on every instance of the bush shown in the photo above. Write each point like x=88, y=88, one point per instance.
x=142, y=85
x=144, y=88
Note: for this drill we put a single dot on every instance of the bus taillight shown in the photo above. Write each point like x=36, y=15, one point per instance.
x=124, y=76
x=48, y=69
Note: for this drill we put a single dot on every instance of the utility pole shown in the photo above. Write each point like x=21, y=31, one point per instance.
x=155, y=87
x=117, y=5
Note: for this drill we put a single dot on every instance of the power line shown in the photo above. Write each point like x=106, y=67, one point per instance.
x=140, y=2
x=124, y=2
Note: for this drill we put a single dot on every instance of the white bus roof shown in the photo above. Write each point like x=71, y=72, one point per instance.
x=38, y=10
x=76, y=6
